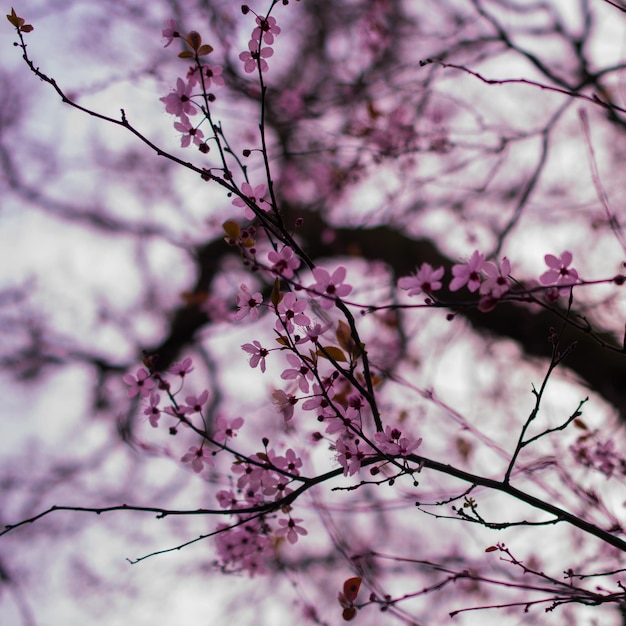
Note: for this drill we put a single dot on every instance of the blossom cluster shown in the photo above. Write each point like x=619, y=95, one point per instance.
x=261, y=479
x=491, y=280
x=180, y=102
x=255, y=56
x=599, y=455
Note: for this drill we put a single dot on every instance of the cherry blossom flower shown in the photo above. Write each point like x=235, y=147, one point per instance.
x=290, y=529
x=320, y=401
x=141, y=384
x=245, y=547
x=468, y=273
x=559, y=271
x=291, y=462
x=226, y=429
x=212, y=75
x=347, y=424
x=299, y=372
x=349, y=456
x=284, y=403
x=169, y=32
x=198, y=457
x=255, y=57
x=227, y=499
x=266, y=28
x=313, y=333
x=183, y=368
x=330, y=286
x=426, y=280
x=284, y=263
x=497, y=281
x=189, y=132
x=178, y=102
x=250, y=475
x=290, y=311
x=152, y=410
x=247, y=303
x=195, y=404
x=256, y=197
x=257, y=354
x=393, y=443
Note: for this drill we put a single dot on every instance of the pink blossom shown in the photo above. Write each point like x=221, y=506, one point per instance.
x=266, y=27
x=189, y=132
x=179, y=102
x=497, y=282
x=468, y=273
x=195, y=404
x=198, y=457
x=290, y=311
x=227, y=499
x=330, y=286
x=247, y=303
x=152, y=410
x=254, y=57
x=393, y=443
x=284, y=403
x=183, y=368
x=250, y=475
x=226, y=429
x=169, y=32
x=291, y=462
x=139, y=384
x=313, y=333
x=347, y=424
x=349, y=456
x=257, y=354
x=290, y=529
x=426, y=280
x=284, y=263
x=212, y=75
x=299, y=372
x=320, y=401
x=244, y=547
x=559, y=271
x=255, y=195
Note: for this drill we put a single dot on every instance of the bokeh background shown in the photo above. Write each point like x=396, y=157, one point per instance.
x=109, y=250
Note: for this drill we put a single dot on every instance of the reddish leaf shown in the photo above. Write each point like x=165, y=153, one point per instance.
x=231, y=228
x=332, y=352
x=351, y=588
x=349, y=614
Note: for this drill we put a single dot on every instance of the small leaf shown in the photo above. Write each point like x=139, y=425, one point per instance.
x=349, y=614
x=344, y=337
x=185, y=54
x=491, y=549
x=276, y=296
x=27, y=28
x=231, y=228
x=194, y=299
x=351, y=588
x=580, y=424
x=205, y=49
x=283, y=341
x=194, y=40
x=332, y=352
x=14, y=19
